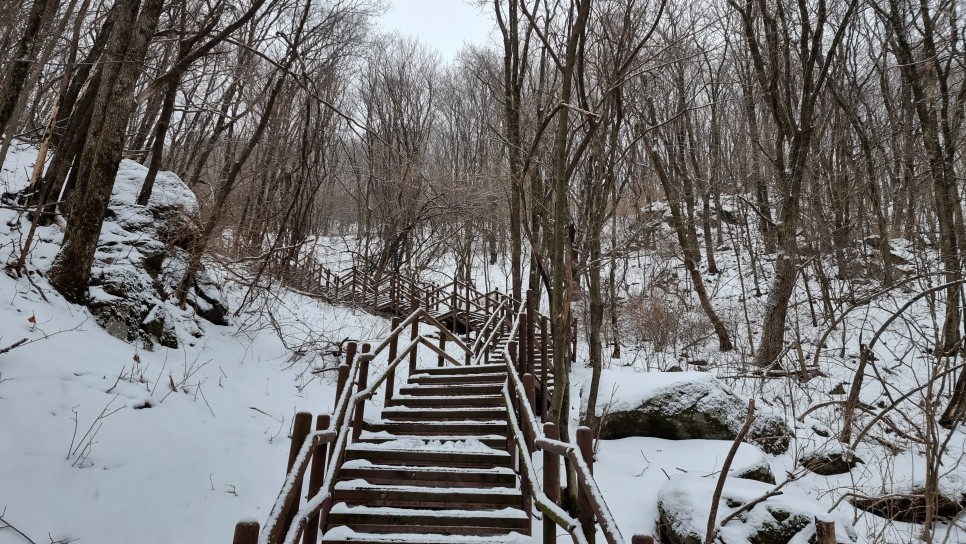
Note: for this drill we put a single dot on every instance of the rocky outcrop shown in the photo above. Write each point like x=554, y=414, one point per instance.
x=681, y=406
x=139, y=262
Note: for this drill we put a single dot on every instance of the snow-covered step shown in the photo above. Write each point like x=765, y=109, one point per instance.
x=452, y=389
x=493, y=440
x=469, y=453
x=344, y=535
x=401, y=413
x=361, y=492
x=466, y=369
x=438, y=428
x=387, y=519
x=431, y=476
x=446, y=401
x=478, y=377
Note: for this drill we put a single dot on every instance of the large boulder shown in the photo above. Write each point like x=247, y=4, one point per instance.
x=139, y=260
x=680, y=406
x=684, y=506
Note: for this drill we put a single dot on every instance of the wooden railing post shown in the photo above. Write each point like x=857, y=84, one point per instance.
x=531, y=337
x=551, y=482
x=350, y=355
x=442, y=346
x=316, y=476
x=454, y=308
x=352, y=282
x=363, y=382
x=467, y=314
x=529, y=386
x=301, y=427
x=487, y=322
x=413, y=335
x=246, y=532
x=642, y=539
x=522, y=339
x=393, y=350
x=511, y=348
x=824, y=532
x=544, y=366
x=585, y=513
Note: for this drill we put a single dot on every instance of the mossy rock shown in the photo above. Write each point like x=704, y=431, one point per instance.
x=782, y=530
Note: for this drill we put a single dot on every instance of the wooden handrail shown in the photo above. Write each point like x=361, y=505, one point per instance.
x=526, y=432
x=496, y=312
x=543, y=503
x=525, y=412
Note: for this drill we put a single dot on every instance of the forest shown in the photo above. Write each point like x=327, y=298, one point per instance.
x=767, y=189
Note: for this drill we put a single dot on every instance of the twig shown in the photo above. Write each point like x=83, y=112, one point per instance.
x=82, y=451
x=8, y=525
x=206, y=401
x=709, y=535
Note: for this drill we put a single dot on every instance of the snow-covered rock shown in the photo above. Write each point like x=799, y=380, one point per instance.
x=680, y=406
x=140, y=260
x=684, y=506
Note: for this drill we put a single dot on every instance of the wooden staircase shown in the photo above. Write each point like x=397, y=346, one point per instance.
x=435, y=468
x=450, y=457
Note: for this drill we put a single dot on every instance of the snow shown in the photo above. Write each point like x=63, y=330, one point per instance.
x=429, y=444
x=469, y=491
x=624, y=389
x=504, y=513
x=169, y=190
x=348, y=534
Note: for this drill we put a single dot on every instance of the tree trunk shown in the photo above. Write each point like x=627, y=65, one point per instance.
x=124, y=59
x=23, y=57
x=160, y=135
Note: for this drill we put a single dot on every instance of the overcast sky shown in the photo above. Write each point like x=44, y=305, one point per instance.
x=443, y=24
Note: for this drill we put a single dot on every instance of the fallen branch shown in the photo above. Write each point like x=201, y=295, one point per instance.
x=8, y=525
x=13, y=346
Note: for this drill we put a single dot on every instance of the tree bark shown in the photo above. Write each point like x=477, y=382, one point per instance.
x=24, y=55
x=124, y=59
